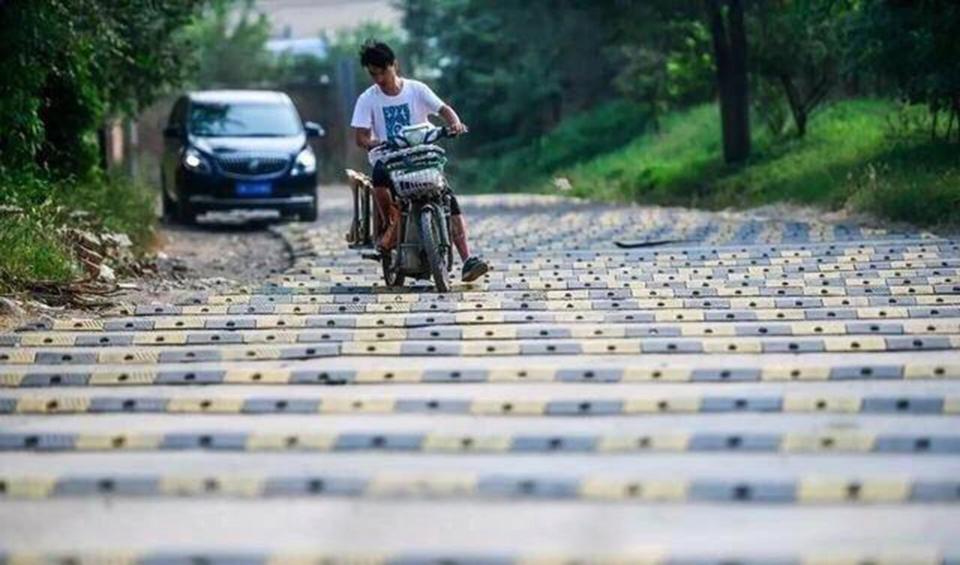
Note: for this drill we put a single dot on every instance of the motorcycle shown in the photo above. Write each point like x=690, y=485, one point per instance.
x=424, y=247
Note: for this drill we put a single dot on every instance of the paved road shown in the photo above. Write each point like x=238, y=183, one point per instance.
x=768, y=389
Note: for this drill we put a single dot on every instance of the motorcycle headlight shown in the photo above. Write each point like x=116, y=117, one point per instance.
x=305, y=163
x=194, y=161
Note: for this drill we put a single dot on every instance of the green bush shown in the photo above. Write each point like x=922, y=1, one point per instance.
x=34, y=212
x=872, y=155
x=668, y=166
x=32, y=251
x=576, y=139
x=813, y=170
x=915, y=182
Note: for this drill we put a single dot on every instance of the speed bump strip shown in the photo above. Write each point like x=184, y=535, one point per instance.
x=584, y=406
x=646, y=556
x=806, y=491
x=726, y=319
x=634, y=346
x=659, y=310
x=833, y=442
x=521, y=373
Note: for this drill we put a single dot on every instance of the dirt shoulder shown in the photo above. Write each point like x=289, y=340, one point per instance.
x=208, y=257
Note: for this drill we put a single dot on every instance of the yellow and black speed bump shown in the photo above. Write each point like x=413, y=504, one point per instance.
x=739, y=300
x=585, y=406
x=647, y=556
x=724, y=326
x=544, y=345
x=749, y=442
x=817, y=490
x=521, y=373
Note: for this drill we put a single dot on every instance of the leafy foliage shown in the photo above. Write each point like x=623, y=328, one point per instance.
x=513, y=70
x=798, y=49
x=852, y=157
x=230, y=42
x=36, y=211
x=577, y=139
x=914, y=45
x=68, y=63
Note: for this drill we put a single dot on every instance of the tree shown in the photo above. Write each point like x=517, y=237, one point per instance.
x=664, y=58
x=798, y=46
x=230, y=44
x=914, y=46
x=726, y=22
x=67, y=64
x=520, y=66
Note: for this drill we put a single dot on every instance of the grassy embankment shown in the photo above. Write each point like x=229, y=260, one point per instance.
x=857, y=153
x=35, y=213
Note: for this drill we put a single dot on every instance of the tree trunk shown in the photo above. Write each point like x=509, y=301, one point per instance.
x=950, y=117
x=796, y=105
x=934, y=122
x=956, y=113
x=730, y=54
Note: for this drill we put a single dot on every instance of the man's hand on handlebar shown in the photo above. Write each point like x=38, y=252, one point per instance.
x=457, y=128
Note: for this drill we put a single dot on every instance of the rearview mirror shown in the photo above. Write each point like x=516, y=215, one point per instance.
x=172, y=132
x=314, y=129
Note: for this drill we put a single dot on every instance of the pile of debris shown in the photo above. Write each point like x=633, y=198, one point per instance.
x=103, y=256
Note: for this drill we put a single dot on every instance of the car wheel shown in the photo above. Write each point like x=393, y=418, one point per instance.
x=310, y=214
x=185, y=213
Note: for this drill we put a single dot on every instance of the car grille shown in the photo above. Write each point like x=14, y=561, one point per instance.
x=249, y=165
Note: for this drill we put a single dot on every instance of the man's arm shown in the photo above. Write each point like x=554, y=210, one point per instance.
x=450, y=116
x=364, y=138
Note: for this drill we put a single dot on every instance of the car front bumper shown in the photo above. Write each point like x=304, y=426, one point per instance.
x=283, y=204
x=216, y=192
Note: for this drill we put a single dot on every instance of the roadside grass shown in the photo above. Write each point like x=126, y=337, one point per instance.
x=35, y=214
x=670, y=166
x=856, y=154
x=916, y=182
x=31, y=252
x=579, y=138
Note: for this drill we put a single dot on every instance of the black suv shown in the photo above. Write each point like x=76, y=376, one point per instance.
x=238, y=149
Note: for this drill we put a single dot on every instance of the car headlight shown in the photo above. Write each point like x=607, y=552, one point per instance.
x=194, y=161
x=305, y=163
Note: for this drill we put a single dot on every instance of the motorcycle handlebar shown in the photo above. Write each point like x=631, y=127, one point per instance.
x=444, y=133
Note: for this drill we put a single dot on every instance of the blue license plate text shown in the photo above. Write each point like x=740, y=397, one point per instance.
x=254, y=189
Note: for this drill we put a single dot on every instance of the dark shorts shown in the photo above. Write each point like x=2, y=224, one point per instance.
x=382, y=178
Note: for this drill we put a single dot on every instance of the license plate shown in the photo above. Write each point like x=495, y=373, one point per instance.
x=254, y=189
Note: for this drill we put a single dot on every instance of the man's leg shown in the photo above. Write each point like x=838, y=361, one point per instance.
x=473, y=267
x=459, y=227
x=388, y=213
x=381, y=203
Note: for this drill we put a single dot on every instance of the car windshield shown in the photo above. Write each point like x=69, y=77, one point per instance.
x=243, y=120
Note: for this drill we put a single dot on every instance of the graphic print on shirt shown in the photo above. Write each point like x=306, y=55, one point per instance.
x=396, y=118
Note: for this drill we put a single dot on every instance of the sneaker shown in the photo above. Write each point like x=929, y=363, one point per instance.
x=473, y=269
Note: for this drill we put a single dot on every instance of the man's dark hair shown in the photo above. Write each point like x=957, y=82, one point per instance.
x=376, y=54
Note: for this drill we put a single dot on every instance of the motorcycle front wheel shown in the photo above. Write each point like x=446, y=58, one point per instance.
x=436, y=257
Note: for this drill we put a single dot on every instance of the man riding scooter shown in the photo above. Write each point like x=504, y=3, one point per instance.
x=381, y=112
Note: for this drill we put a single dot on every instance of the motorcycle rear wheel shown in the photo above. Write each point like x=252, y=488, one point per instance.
x=436, y=257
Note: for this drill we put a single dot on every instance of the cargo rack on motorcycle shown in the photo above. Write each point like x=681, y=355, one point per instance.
x=416, y=171
x=363, y=225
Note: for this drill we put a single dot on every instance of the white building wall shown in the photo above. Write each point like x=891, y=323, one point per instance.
x=308, y=18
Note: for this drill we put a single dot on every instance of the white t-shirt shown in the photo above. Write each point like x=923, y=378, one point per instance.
x=387, y=115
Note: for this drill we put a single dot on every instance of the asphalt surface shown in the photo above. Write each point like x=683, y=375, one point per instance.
x=769, y=389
